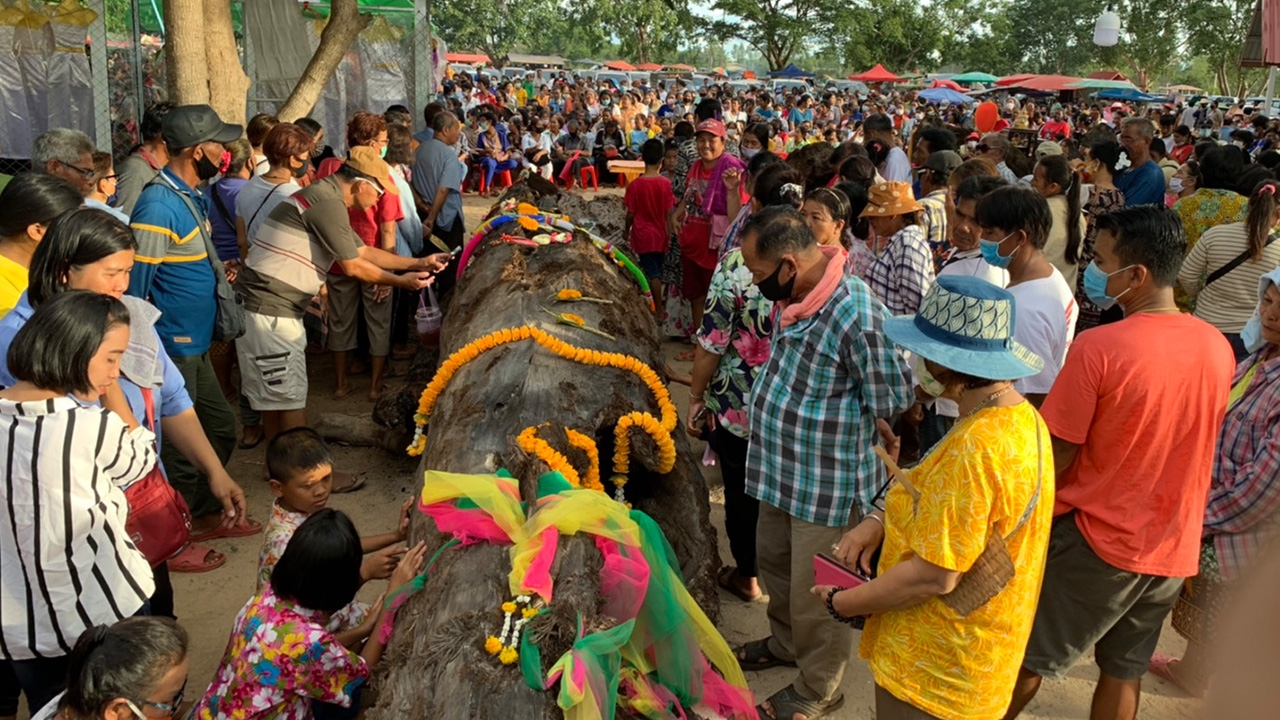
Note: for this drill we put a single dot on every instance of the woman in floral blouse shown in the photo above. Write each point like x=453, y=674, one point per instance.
x=1105, y=198
x=733, y=343
x=280, y=658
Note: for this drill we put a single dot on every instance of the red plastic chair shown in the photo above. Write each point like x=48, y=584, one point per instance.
x=502, y=178
x=588, y=171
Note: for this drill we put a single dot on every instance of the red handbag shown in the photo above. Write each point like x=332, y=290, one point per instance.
x=159, y=522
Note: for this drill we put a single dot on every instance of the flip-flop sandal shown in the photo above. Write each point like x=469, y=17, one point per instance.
x=726, y=577
x=756, y=655
x=686, y=356
x=346, y=482
x=787, y=702
x=1160, y=666
x=253, y=527
x=196, y=559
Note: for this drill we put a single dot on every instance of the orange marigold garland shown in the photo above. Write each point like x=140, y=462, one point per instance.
x=659, y=428
x=591, y=480
x=554, y=459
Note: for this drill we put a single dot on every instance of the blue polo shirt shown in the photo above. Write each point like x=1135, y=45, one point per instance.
x=1143, y=185
x=172, y=269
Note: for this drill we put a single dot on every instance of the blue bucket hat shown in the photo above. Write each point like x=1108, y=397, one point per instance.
x=966, y=324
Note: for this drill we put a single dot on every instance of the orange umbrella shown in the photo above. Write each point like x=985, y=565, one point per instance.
x=950, y=84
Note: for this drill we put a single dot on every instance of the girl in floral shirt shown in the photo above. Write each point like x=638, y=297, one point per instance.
x=280, y=658
x=733, y=344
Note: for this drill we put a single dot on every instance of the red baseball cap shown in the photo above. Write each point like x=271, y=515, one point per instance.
x=712, y=126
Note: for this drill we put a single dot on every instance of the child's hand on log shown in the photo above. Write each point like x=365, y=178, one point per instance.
x=409, y=568
x=379, y=565
x=402, y=531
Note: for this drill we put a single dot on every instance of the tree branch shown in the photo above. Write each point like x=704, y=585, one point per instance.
x=345, y=25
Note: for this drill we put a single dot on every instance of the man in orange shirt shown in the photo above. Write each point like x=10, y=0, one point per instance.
x=1135, y=414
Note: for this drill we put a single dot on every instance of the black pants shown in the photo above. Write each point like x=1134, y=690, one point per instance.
x=40, y=679
x=740, y=510
x=453, y=236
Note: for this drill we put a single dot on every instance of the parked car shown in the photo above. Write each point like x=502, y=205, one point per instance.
x=618, y=78
x=513, y=72
x=781, y=86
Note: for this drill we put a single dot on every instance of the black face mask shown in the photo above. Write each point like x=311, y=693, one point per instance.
x=301, y=170
x=206, y=169
x=773, y=290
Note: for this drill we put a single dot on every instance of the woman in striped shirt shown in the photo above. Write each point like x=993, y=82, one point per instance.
x=1222, y=270
x=66, y=562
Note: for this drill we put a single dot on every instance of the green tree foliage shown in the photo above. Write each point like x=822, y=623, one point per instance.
x=495, y=27
x=905, y=35
x=1219, y=30
x=777, y=29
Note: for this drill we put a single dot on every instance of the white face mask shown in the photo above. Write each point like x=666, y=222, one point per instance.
x=928, y=382
x=972, y=144
x=1175, y=185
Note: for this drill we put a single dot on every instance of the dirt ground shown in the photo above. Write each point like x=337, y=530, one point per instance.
x=208, y=603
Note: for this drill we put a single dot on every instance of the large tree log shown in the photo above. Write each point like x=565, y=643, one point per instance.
x=436, y=666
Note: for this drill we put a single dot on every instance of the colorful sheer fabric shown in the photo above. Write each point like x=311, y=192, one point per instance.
x=664, y=656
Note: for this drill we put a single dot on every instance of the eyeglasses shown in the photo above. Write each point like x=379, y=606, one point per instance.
x=373, y=185
x=86, y=173
x=170, y=708
x=982, y=147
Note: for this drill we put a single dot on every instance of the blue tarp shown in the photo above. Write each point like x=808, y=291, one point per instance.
x=790, y=71
x=1128, y=95
x=937, y=95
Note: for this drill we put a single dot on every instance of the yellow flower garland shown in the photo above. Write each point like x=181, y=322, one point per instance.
x=659, y=429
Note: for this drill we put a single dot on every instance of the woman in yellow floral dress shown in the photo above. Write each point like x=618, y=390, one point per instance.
x=935, y=651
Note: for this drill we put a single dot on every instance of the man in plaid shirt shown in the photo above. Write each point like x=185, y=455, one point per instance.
x=813, y=410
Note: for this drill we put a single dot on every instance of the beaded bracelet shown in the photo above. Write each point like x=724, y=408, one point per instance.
x=857, y=622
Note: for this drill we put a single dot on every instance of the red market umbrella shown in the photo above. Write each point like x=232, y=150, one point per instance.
x=877, y=74
x=649, y=67
x=949, y=84
x=622, y=65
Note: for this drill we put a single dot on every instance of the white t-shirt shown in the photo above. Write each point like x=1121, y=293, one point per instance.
x=969, y=263
x=256, y=200
x=897, y=168
x=1045, y=313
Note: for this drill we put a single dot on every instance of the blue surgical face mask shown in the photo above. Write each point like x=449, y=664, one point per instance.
x=991, y=252
x=1095, y=285
x=1251, y=335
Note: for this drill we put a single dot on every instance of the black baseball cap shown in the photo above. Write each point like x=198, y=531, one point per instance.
x=189, y=125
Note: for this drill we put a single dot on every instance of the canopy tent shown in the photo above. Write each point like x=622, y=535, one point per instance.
x=1182, y=88
x=1128, y=95
x=468, y=58
x=974, y=77
x=942, y=94
x=790, y=71
x=622, y=65
x=1040, y=83
x=1093, y=84
x=943, y=83
x=649, y=67
x=877, y=74
x=527, y=60
x=682, y=67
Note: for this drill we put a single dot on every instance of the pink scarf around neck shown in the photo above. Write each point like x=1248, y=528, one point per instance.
x=794, y=312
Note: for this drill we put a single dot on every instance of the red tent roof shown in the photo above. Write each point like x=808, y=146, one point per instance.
x=1041, y=83
x=681, y=66
x=468, y=58
x=622, y=65
x=1108, y=75
x=876, y=74
x=649, y=67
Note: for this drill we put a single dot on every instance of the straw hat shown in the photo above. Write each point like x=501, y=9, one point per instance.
x=966, y=324
x=887, y=199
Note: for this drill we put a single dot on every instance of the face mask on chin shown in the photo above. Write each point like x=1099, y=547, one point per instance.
x=771, y=289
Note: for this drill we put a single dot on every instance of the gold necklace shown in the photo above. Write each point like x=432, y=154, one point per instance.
x=990, y=399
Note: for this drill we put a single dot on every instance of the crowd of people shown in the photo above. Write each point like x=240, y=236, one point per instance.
x=1026, y=397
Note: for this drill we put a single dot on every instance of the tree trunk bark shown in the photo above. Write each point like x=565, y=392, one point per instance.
x=435, y=666
x=185, y=54
x=228, y=84
x=345, y=25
